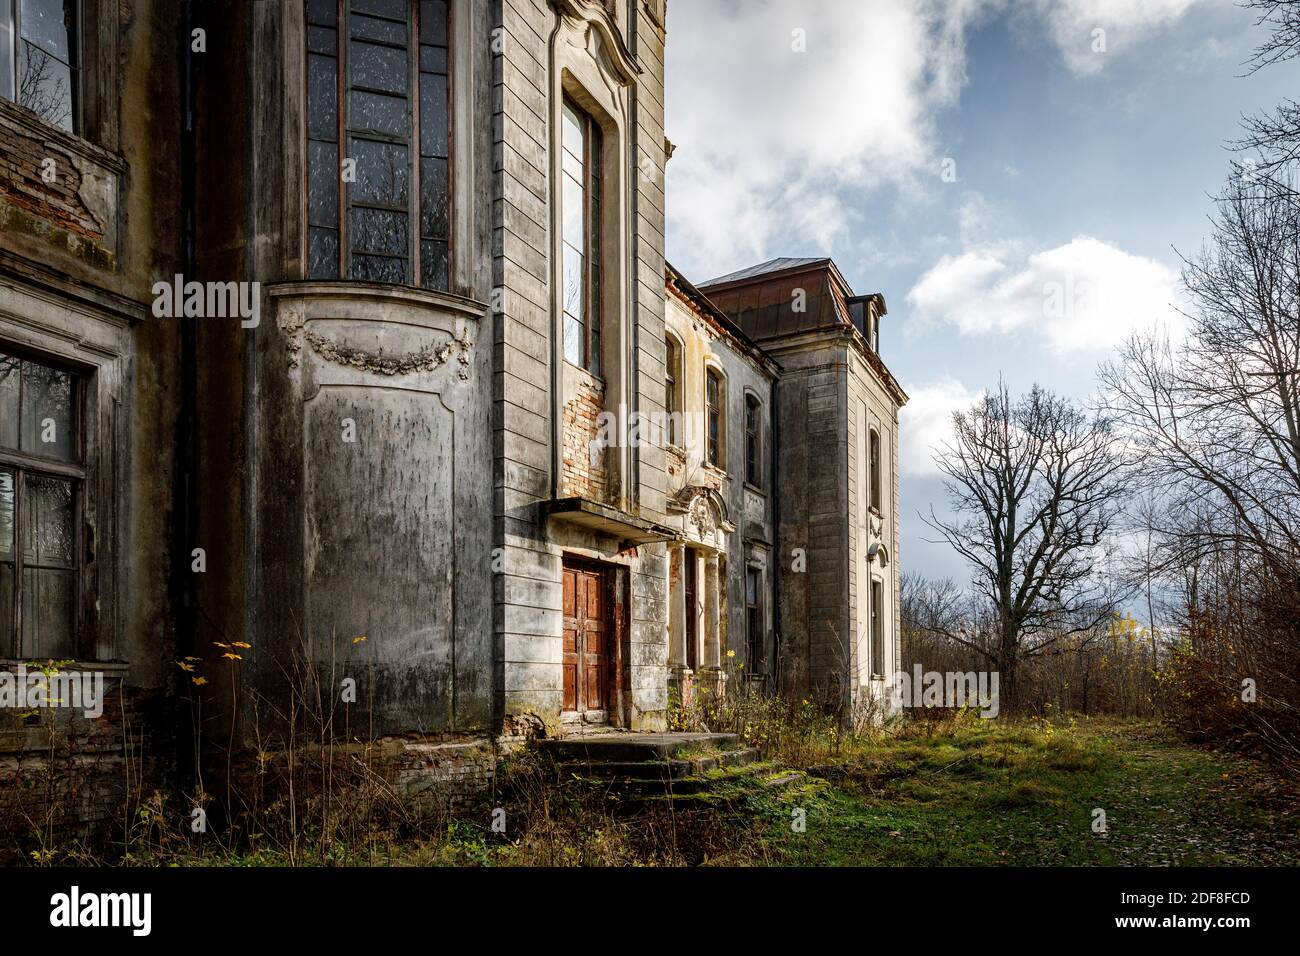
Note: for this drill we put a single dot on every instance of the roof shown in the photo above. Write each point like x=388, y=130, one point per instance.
x=683, y=286
x=787, y=297
x=764, y=268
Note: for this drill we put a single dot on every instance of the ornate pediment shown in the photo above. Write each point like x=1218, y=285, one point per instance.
x=600, y=21
x=704, y=509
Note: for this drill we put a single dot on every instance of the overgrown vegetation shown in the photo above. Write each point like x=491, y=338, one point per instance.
x=951, y=790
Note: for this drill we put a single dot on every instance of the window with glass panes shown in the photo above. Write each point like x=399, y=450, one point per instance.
x=42, y=477
x=753, y=442
x=378, y=141
x=580, y=209
x=754, y=620
x=40, y=62
x=672, y=366
x=877, y=628
x=713, y=418
x=873, y=444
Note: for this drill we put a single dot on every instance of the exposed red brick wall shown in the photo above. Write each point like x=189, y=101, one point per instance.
x=21, y=184
x=101, y=769
x=582, y=476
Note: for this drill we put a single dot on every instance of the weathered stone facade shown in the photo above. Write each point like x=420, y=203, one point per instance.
x=721, y=626
x=838, y=587
x=88, y=221
x=411, y=499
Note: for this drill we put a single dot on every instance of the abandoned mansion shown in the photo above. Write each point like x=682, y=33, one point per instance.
x=338, y=349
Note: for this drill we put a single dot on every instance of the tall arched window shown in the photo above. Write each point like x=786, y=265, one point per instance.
x=753, y=441
x=378, y=135
x=875, y=472
x=672, y=377
x=580, y=209
x=715, y=421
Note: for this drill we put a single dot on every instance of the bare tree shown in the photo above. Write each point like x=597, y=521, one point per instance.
x=1215, y=420
x=1274, y=137
x=1035, y=485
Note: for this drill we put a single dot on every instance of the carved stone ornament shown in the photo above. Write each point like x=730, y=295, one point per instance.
x=701, y=517
x=600, y=19
x=424, y=360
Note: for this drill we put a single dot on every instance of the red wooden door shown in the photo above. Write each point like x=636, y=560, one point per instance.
x=586, y=641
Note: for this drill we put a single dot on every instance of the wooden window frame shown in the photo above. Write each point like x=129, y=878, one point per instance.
x=755, y=632
x=874, y=456
x=76, y=64
x=753, y=441
x=715, y=453
x=877, y=628
x=672, y=382
x=24, y=465
x=415, y=199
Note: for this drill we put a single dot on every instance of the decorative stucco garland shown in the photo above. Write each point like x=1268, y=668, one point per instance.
x=425, y=360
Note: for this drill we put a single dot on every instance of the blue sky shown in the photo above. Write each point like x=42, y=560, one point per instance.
x=1013, y=175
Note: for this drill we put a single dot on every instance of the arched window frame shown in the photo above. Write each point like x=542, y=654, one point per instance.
x=673, y=353
x=874, y=469
x=715, y=416
x=754, y=420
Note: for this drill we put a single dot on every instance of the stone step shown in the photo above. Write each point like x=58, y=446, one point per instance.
x=635, y=747
x=658, y=777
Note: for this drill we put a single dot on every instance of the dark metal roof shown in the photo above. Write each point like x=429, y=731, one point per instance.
x=701, y=302
x=763, y=268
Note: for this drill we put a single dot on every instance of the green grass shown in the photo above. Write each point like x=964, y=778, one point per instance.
x=968, y=793
x=993, y=793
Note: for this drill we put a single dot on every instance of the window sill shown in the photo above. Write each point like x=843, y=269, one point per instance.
x=357, y=289
x=590, y=376
x=717, y=471
x=750, y=486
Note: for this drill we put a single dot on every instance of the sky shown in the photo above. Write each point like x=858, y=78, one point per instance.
x=1017, y=177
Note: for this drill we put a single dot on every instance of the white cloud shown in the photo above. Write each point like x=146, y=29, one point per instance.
x=768, y=138
x=1084, y=295
x=1072, y=26
x=926, y=423
x=777, y=150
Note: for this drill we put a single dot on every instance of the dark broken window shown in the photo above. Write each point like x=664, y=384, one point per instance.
x=379, y=209
x=41, y=482
x=39, y=61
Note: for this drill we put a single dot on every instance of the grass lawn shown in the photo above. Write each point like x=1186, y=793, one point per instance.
x=961, y=793
x=990, y=793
